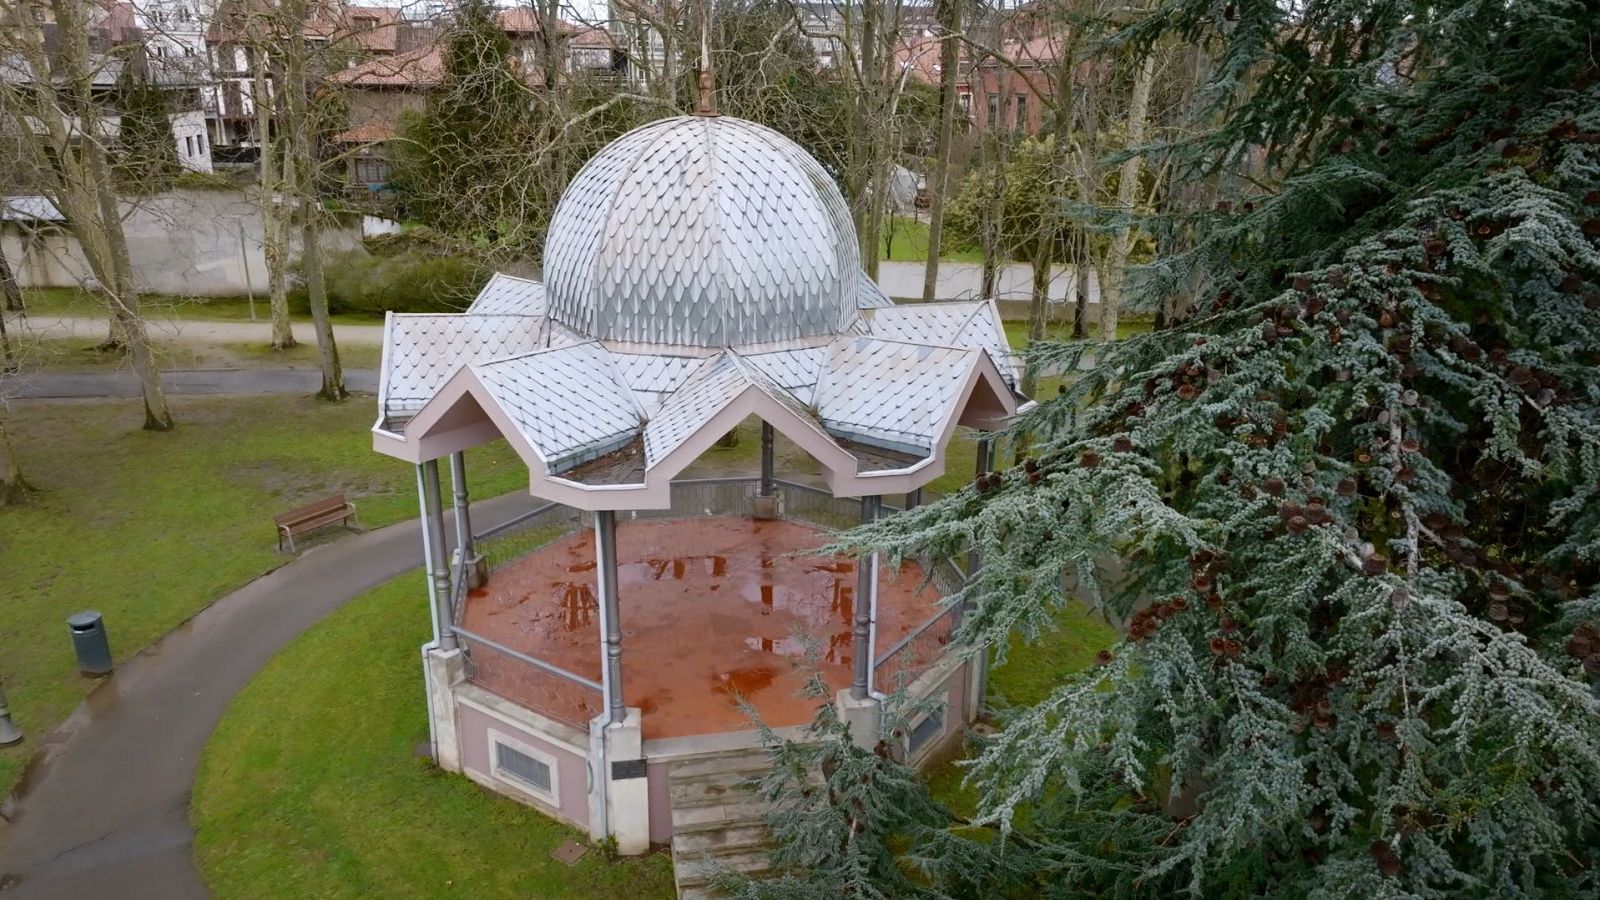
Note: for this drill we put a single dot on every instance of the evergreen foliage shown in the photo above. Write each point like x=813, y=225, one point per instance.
x=462, y=164
x=1030, y=195
x=147, y=152
x=1355, y=494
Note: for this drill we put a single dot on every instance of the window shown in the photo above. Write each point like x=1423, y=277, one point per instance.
x=1021, y=120
x=966, y=105
x=529, y=770
x=924, y=731
x=188, y=145
x=371, y=171
x=994, y=108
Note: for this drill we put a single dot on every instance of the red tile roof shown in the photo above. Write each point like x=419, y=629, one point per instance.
x=370, y=133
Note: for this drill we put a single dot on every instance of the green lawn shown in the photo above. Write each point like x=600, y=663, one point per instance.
x=907, y=241
x=338, y=806
x=150, y=528
x=75, y=302
x=351, y=355
x=1029, y=674
x=1017, y=330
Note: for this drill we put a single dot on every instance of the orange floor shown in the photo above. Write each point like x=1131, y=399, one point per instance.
x=711, y=608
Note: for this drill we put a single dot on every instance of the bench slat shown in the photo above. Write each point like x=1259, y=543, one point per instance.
x=312, y=510
x=337, y=515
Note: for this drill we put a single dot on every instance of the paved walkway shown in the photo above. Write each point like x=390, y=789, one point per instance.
x=107, y=812
x=123, y=383
x=200, y=331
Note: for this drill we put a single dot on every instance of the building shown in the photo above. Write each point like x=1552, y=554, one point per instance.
x=698, y=271
x=379, y=91
x=118, y=46
x=340, y=36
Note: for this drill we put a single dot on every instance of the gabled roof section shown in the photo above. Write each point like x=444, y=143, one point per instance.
x=570, y=403
x=710, y=387
x=892, y=395
x=422, y=350
x=974, y=323
x=509, y=295
x=653, y=376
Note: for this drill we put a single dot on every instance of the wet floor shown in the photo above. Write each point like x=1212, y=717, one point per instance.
x=712, y=609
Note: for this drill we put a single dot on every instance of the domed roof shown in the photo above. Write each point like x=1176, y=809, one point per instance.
x=705, y=231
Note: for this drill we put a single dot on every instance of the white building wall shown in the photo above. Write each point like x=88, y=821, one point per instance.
x=194, y=146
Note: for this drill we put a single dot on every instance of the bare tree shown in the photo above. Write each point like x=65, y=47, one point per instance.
x=53, y=97
x=276, y=186
x=948, y=14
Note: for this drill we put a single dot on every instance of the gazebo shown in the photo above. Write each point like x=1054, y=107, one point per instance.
x=698, y=271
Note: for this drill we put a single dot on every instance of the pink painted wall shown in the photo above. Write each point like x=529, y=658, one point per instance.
x=660, y=803
x=957, y=714
x=571, y=769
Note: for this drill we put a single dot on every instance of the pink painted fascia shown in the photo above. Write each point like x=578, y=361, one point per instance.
x=423, y=440
x=572, y=769
x=659, y=792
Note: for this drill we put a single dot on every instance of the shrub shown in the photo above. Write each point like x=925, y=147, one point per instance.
x=406, y=281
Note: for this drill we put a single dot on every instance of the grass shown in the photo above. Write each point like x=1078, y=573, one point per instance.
x=1030, y=672
x=150, y=528
x=75, y=302
x=908, y=242
x=337, y=806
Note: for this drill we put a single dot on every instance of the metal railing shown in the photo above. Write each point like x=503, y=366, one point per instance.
x=915, y=653
x=548, y=690
x=574, y=699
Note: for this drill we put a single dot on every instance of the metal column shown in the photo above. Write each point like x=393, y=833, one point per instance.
x=605, y=551
x=866, y=583
x=974, y=562
x=458, y=481
x=438, y=564
x=766, y=460
x=914, y=499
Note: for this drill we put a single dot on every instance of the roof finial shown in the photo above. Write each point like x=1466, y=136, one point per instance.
x=708, y=101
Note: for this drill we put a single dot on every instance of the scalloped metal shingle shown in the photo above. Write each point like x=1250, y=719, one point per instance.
x=703, y=231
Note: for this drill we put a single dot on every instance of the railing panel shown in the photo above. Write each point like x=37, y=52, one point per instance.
x=542, y=689
x=903, y=663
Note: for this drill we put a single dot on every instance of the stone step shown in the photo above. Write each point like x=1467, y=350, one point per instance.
x=744, y=761
x=712, y=817
x=706, y=790
x=693, y=873
x=728, y=839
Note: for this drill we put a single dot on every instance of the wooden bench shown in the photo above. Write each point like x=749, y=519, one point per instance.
x=312, y=516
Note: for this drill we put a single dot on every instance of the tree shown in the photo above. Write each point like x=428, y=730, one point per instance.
x=1353, y=496
x=147, y=152
x=464, y=163
x=948, y=15
x=55, y=103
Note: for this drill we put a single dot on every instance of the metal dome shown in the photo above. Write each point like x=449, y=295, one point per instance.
x=705, y=231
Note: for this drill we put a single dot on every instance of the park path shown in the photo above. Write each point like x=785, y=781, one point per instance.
x=47, y=385
x=197, y=331
x=104, y=810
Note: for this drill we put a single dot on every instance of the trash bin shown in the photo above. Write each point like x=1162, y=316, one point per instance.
x=89, y=640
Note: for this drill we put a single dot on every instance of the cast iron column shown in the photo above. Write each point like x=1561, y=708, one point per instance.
x=914, y=499
x=605, y=551
x=974, y=562
x=766, y=460
x=866, y=578
x=458, y=481
x=438, y=563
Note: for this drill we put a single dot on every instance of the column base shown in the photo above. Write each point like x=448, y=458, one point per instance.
x=765, y=507
x=477, y=569
x=627, y=788
x=443, y=670
x=864, y=716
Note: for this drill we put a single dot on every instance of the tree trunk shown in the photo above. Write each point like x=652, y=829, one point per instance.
x=327, y=351
x=990, y=219
x=1113, y=280
x=300, y=148
x=1038, y=306
x=1081, y=270
x=14, y=488
x=81, y=181
x=8, y=284
x=8, y=362
x=948, y=13
x=275, y=209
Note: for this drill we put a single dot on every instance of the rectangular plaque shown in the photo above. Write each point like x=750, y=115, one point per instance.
x=627, y=768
